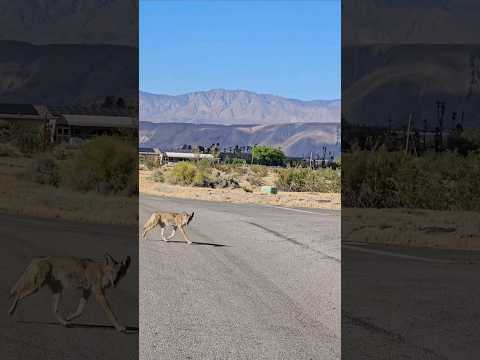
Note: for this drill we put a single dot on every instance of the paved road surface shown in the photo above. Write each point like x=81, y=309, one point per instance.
x=31, y=332
x=410, y=304
x=260, y=283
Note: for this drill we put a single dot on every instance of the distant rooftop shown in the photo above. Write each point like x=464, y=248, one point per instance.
x=87, y=110
x=18, y=109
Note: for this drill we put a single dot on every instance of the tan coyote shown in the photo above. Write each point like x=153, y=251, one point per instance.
x=163, y=219
x=71, y=272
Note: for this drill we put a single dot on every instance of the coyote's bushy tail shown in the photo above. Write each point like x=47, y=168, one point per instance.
x=32, y=278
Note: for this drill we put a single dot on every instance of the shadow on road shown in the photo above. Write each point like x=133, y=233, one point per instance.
x=129, y=330
x=193, y=243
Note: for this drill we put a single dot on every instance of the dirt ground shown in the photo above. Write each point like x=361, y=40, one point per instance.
x=50, y=202
x=287, y=199
x=414, y=228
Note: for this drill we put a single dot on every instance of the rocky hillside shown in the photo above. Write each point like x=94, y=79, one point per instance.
x=71, y=22
x=65, y=74
x=373, y=76
x=236, y=107
x=295, y=139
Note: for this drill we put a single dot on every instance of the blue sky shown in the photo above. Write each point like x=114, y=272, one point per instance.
x=287, y=48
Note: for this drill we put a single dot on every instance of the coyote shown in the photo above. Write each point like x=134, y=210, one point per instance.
x=164, y=219
x=71, y=272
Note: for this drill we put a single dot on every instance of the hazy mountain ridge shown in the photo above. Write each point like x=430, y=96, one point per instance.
x=295, y=139
x=374, y=75
x=79, y=73
x=228, y=107
x=70, y=21
x=410, y=22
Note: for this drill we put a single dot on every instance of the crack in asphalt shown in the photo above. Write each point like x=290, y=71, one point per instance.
x=372, y=327
x=293, y=241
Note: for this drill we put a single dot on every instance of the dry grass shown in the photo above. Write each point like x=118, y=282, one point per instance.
x=413, y=228
x=50, y=202
x=252, y=195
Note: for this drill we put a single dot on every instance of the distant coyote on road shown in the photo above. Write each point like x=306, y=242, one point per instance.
x=163, y=219
x=71, y=272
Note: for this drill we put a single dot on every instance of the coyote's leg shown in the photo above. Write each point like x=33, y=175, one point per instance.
x=56, y=301
x=19, y=296
x=162, y=233
x=182, y=230
x=102, y=301
x=147, y=229
x=81, y=305
x=174, y=230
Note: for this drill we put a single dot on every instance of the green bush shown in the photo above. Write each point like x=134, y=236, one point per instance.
x=308, y=180
x=438, y=181
x=266, y=155
x=107, y=164
x=186, y=173
x=28, y=139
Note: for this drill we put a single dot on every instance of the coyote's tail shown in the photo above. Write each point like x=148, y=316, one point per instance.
x=32, y=278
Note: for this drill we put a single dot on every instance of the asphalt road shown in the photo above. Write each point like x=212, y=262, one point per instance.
x=259, y=282
x=32, y=333
x=410, y=304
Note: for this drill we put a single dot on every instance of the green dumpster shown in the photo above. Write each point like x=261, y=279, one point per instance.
x=268, y=190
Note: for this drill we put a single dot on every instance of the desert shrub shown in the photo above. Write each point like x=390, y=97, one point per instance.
x=204, y=165
x=149, y=163
x=8, y=150
x=158, y=176
x=186, y=173
x=237, y=161
x=266, y=155
x=254, y=179
x=308, y=180
x=28, y=139
x=107, y=164
x=44, y=170
x=260, y=170
x=60, y=152
x=438, y=181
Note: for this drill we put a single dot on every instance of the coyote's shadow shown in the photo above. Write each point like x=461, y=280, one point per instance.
x=128, y=330
x=193, y=243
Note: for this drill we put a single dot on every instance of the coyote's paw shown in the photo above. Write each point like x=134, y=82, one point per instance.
x=120, y=328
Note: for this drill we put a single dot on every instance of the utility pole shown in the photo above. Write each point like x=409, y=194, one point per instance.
x=408, y=133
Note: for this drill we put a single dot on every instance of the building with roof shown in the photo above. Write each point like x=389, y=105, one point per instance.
x=66, y=123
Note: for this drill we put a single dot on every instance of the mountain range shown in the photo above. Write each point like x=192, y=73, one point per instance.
x=239, y=117
x=71, y=21
x=234, y=107
x=295, y=139
x=386, y=83
x=60, y=74
x=410, y=22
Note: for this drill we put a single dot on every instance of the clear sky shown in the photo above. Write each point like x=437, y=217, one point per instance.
x=287, y=48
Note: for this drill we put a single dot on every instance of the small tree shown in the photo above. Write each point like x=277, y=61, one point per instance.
x=266, y=155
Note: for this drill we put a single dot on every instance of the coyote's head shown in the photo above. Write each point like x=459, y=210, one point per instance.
x=113, y=270
x=186, y=217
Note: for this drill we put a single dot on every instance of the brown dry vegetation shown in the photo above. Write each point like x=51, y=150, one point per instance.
x=250, y=179
x=36, y=180
x=413, y=228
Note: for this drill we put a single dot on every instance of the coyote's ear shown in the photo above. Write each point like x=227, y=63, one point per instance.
x=127, y=262
x=109, y=259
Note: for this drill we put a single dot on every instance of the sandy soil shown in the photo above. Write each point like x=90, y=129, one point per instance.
x=49, y=202
x=288, y=199
x=415, y=228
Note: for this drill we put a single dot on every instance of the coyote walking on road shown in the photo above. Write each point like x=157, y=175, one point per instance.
x=71, y=272
x=178, y=221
